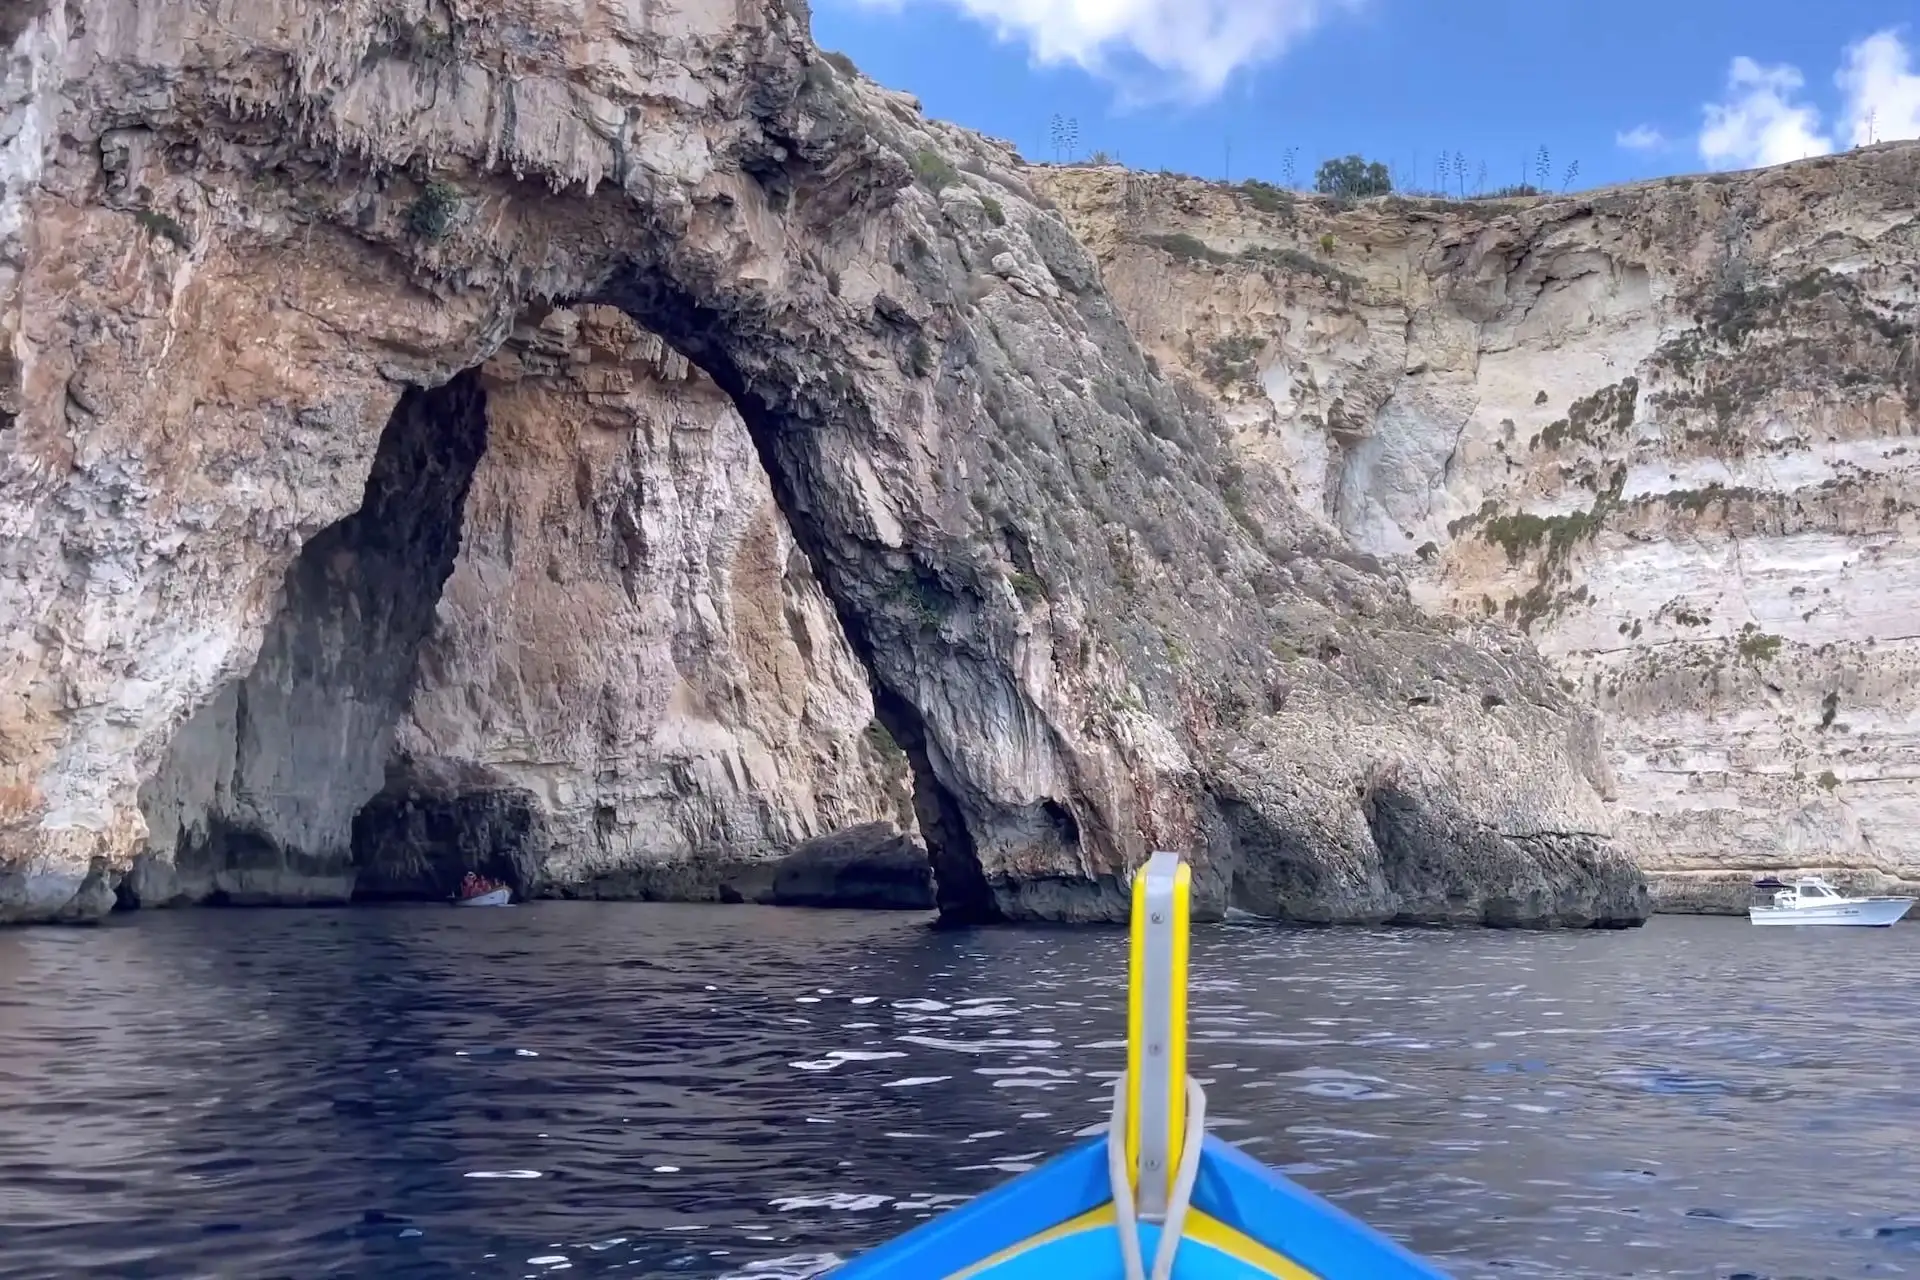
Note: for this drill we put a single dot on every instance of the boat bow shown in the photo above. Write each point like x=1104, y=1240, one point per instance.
x=1155, y=1185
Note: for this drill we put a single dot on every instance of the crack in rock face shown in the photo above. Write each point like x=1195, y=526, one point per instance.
x=1090, y=630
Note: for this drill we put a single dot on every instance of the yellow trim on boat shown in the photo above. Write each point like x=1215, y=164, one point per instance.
x=1177, y=1037
x=1201, y=1228
x=1088, y=1221
x=1215, y=1234
x=1136, y=1020
x=1175, y=1064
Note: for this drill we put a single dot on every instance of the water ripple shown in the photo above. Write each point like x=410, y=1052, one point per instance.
x=604, y=1089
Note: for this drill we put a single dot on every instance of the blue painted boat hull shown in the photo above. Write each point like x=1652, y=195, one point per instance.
x=1236, y=1218
x=1247, y=1222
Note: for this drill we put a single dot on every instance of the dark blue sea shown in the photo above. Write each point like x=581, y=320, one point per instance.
x=609, y=1089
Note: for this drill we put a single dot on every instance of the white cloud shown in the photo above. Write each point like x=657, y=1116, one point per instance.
x=1882, y=91
x=1191, y=47
x=1642, y=137
x=1759, y=123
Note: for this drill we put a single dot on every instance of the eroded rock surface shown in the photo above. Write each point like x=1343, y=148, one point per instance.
x=1669, y=429
x=631, y=635
x=240, y=234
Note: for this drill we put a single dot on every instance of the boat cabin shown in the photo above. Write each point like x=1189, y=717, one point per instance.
x=1804, y=891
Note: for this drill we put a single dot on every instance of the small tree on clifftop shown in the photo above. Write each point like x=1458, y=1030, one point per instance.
x=1353, y=178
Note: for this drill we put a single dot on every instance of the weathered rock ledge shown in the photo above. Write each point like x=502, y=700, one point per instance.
x=374, y=422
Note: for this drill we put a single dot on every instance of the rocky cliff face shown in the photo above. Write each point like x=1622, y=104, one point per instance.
x=1666, y=429
x=364, y=507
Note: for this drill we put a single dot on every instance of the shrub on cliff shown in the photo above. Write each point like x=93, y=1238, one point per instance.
x=1234, y=358
x=1187, y=248
x=1353, y=178
x=935, y=171
x=1268, y=198
x=433, y=212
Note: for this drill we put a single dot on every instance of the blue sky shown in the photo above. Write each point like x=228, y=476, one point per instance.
x=1627, y=88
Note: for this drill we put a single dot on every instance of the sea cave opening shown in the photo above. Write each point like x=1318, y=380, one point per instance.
x=258, y=795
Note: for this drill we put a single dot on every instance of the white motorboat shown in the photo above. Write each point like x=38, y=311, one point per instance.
x=1811, y=900
x=491, y=898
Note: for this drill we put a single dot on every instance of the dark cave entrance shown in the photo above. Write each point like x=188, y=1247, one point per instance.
x=261, y=788
x=960, y=887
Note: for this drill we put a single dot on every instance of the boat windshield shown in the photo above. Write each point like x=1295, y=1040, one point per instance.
x=1810, y=889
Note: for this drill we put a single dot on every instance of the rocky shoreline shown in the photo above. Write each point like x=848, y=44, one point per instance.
x=872, y=868
x=903, y=884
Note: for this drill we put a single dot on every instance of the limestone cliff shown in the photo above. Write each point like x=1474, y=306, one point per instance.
x=293, y=297
x=1665, y=428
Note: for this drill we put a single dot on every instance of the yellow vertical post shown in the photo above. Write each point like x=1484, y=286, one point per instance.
x=1157, y=1030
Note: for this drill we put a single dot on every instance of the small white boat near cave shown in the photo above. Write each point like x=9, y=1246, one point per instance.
x=1811, y=900
x=492, y=898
